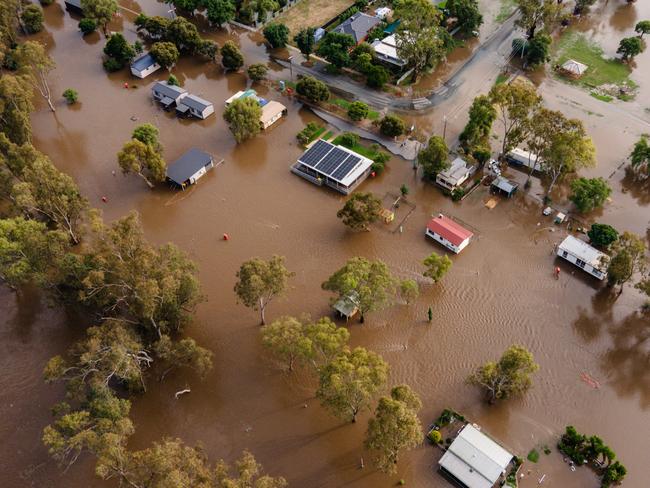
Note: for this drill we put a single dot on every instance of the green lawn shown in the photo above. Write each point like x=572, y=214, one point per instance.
x=368, y=152
x=501, y=79
x=601, y=71
x=344, y=104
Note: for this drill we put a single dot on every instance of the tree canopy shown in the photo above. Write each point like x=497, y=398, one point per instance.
x=144, y=160
x=589, y=193
x=630, y=47
x=436, y=266
x=257, y=72
x=602, y=235
x=394, y=427
x=419, y=36
x=243, y=117
x=509, y=376
x=468, y=14
x=305, y=41
x=392, y=126
x=360, y=210
x=433, y=158
x=312, y=89
x=350, y=381
x=260, y=281
x=628, y=258
x=482, y=115
x=369, y=282
x=642, y=27
x=640, y=156
x=536, y=13
x=231, y=56
x=334, y=47
x=277, y=34
x=165, y=54
x=101, y=11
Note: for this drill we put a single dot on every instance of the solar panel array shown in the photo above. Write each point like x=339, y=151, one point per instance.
x=330, y=160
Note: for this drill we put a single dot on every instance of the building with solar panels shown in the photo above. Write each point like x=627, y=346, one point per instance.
x=335, y=166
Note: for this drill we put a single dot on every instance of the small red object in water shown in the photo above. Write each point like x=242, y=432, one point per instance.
x=373, y=174
x=126, y=85
x=104, y=199
x=557, y=270
x=226, y=237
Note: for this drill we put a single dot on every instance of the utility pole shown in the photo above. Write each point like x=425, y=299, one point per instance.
x=291, y=66
x=444, y=129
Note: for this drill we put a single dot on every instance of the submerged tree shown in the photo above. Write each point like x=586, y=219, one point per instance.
x=628, y=258
x=394, y=427
x=409, y=291
x=370, y=283
x=257, y=72
x=165, y=54
x=286, y=339
x=630, y=47
x=360, y=210
x=436, y=266
x=640, y=156
x=589, y=193
x=481, y=117
x=433, y=158
x=37, y=65
x=468, y=14
x=143, y=160
x=260, y=281
x=305, y=41
x=350, y=381
x=243, y=117
x=602, y=235
x=16, y=105
x=277, y=34
x=231, y=56
x=510, y=376
x=536, y=13
x=515, y=104
x=101, y=11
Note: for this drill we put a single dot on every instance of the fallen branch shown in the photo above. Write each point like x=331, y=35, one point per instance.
x=182, y=392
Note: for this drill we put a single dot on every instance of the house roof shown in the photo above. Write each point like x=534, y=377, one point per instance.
x=449, y=230
x=348, y=305
x=187, y=165
x=456, y=170
x=270, y=110
x=74, y=3
x=171, y=91
x=475, y=459
x=585, y=252
x=196, y=103
x=575, y=67
x=504, y=184
x=387, y=48
x=335, y=162
x=143, y=62
x=357, y=26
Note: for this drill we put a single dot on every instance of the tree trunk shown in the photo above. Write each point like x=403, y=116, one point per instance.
x=146, y=180
x=362, y=319
x=262, y=308
x=49, y=102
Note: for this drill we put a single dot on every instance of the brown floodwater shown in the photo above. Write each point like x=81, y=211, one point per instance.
x=499, y=291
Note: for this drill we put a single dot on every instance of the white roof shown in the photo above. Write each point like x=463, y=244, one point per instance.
x=585, y=252
x=456, y=171
x=382, y=12
x=270, y=110
x=475, y=459
x=387, y=48
x=575, y=67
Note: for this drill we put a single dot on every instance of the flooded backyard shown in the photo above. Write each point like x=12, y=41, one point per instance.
x=499, y=291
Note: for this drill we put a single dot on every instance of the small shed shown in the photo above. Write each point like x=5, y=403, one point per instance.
x=195, y=106
x=191, y=166
x=383, y=13
x=144, y=66
x=74, y=6
x=167, y=95
x=272, y=111
x=574, y=68
x=348, y=306
x=504, y=186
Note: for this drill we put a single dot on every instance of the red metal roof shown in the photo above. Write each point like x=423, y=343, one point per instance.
x=448, y=229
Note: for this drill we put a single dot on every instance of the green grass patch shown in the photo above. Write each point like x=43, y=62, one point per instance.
x=602, y=98
x=506, y=10
x=502, y=78
x=368, y=152
x=328, y=136
x=533, y=456
x=344, y=104
x=601, y=70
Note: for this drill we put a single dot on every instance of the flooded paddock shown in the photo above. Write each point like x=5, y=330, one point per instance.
x=500, y=290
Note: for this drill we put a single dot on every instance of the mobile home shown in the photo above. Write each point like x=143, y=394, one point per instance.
x=584, y=256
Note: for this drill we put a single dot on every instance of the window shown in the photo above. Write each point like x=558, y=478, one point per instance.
x=580, y=262
x=564, y=254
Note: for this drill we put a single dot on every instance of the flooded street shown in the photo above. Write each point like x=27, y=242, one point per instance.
x=499, y=291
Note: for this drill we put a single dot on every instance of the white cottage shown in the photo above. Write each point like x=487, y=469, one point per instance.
x=455, y=175
x=195, y=106
x=584, y=256
x=144, y=66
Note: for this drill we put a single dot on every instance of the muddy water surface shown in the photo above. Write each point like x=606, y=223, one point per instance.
x=500, y=291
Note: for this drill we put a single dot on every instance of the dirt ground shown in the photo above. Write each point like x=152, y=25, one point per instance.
x=312, y=13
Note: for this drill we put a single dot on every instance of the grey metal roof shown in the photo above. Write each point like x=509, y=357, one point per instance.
x=74, y=3
x=196, y=103
x=171, y=91
x=187, y=165
x=143, y=62
x=475, y=459
x=357, y=26
x=505, y=184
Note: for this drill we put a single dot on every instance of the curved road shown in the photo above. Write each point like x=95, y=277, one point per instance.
x=492, y=54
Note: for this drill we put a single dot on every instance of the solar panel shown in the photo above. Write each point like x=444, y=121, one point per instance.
x=330, y=162
x=315, y=153
x=347, y=166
